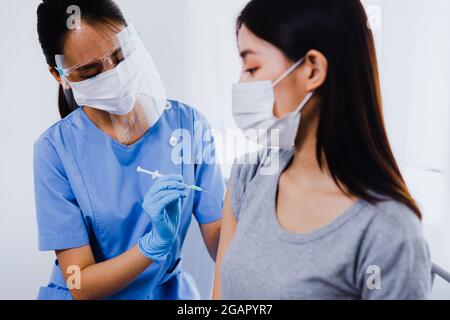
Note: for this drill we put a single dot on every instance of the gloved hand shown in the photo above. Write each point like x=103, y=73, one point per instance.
x=162, y=205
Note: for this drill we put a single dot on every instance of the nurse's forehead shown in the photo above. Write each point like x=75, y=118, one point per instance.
x=87, y=37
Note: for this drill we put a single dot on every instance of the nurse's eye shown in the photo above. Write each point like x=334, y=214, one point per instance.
x=89, y=71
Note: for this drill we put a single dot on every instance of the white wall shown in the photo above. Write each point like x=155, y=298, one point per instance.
x=415, y=69
x=28, y=106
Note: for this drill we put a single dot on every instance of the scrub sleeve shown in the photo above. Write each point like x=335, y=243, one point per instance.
x=60, y=221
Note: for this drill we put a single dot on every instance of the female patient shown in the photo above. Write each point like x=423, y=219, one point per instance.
x=336, y=220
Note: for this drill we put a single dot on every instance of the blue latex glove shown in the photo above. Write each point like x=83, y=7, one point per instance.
x=162, y=205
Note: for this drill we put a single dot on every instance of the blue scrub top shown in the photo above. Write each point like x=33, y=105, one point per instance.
x=88, y=192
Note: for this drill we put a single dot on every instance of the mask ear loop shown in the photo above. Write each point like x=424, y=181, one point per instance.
x=304, y=102
x=288, y=72
x=307, y=97
x=285, y=75
x=65, y=83
x=67, y=89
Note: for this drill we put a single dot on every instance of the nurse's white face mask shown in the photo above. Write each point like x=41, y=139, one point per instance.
x=114, y=91
x=253, y=105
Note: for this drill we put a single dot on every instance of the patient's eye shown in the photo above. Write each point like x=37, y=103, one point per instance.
x=251, y=71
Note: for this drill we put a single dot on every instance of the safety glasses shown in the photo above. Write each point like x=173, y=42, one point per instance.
x=102, y=57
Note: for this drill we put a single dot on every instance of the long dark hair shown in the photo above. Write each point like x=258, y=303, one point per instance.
x=351, y=135
x=52, y=30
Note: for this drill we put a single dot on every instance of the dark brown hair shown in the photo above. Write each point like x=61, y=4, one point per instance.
x=351, y=134
x=52, y=30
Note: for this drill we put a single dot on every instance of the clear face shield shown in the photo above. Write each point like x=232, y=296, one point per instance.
x=118, y=77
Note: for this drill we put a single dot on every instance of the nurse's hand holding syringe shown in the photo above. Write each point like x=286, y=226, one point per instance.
x=162, y=205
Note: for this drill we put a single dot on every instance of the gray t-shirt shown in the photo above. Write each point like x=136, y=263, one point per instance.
x=368, y=252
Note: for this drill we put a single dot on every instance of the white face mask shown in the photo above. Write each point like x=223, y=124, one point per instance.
x=114, y=91
x=253, y=104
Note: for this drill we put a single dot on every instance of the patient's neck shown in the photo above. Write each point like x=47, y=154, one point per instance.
x=305, y=159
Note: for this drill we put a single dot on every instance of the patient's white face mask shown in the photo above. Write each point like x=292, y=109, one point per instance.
x=253, y=105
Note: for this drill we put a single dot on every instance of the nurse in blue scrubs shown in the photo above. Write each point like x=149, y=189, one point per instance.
x=118, y=234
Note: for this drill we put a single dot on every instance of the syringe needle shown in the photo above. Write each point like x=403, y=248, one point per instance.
x=156, y=175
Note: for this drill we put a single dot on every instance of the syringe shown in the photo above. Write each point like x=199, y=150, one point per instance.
x=157, y=175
